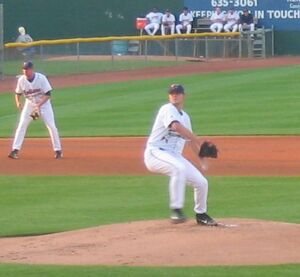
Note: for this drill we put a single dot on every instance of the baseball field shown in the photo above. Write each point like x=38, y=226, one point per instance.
x=98, y=212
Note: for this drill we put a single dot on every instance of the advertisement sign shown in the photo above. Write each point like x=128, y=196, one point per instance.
x=281, y=14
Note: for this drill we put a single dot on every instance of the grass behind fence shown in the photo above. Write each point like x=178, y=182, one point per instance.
x=249, y=102
x=81, y=66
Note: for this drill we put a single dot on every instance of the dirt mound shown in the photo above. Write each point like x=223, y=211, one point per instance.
x=160, y=243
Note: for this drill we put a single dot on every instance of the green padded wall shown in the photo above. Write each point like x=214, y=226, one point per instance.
x=54, y=19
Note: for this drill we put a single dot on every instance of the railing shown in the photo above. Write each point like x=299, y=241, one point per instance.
x=82, y=55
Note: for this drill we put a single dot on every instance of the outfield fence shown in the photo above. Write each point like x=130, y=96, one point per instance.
x=85, y=55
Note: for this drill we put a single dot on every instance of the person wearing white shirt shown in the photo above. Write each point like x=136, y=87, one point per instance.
x=232, y=20
x=171, y=130
x=185, y=20
x=35, y=88
x=154, y=20
x=168, y=23
x=217, y=19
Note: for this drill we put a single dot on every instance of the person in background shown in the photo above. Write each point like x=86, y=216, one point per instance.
x=185, y=21
x=217, y=19
x=168, y=23
x=25, y=38
x=154, y=21
x=246, y=21
x=232, y=21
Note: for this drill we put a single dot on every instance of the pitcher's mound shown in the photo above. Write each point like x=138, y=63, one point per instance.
x=160, y=243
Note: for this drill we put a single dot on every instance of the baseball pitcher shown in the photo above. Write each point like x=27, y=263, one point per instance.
x=171, y=130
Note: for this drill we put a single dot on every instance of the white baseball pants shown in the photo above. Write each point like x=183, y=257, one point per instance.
x=181, y=172
x=180, y=28
x=47, y=116
x=216, y=27
x=231, y=26
x=250, y=27
x=170, y=27
x=152, y=26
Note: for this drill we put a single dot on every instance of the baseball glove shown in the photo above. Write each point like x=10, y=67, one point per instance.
x=35, y=114
x=208, y=150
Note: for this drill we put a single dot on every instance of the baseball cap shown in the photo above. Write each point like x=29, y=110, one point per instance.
x=27, y=65
x=176, y=88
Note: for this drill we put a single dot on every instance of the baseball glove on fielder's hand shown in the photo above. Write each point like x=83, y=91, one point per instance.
x=35, y=114
x=208, y=150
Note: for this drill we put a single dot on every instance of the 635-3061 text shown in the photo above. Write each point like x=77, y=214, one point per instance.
x=235, y=3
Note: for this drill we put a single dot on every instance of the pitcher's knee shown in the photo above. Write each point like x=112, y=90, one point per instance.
x=179, y=170
x=202, y=183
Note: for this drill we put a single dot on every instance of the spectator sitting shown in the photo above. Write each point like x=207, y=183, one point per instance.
x=154, y=20
x=25, y=38
x=217, y=19
x=185, y=21
x=168, y=23
x=232, y=20
x=246, y=21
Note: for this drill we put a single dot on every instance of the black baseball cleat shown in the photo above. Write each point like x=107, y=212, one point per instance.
x=205, y=219
x=177, y=216
x=14, y=154
x=58, y=154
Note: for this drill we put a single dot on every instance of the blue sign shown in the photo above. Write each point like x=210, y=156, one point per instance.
x=281, y=14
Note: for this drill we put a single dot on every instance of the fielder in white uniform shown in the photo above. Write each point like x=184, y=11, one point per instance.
x=163, y=154
x=154, y=20
x=218, y=20
x=36, y=89
x=186, y=20
x=232, y=21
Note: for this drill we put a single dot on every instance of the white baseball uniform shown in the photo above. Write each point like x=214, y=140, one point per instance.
x=33, y=91
x=217, y=26
x=168, y=21
x=231, y=19
x=163, y=155
x=154, y=19
x=185, y=23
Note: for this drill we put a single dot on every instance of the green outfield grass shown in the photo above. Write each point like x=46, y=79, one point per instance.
x=52, y=204
x=122, y=271
x=250, y=102
x=54, y=68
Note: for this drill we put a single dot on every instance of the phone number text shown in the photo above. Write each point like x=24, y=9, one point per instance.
x=234, y=3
